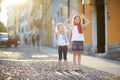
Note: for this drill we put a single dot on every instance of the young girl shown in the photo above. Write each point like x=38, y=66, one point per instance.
x=77, y=38
x=62, y=41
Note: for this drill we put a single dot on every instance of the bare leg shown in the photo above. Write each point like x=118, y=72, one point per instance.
x=66, y=64
x=74, y=58
x=59, y=64
x=79, y=58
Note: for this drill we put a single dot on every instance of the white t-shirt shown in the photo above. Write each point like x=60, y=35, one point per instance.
x=76, y=36
x=62, y=40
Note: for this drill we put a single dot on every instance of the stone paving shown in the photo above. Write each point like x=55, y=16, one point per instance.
x=43, y=70
x=25, y=64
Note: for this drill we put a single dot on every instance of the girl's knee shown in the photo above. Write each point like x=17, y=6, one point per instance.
x=79, y=54
x=74, y=54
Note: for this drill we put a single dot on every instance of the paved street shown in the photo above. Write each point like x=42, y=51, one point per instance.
x=27, y=63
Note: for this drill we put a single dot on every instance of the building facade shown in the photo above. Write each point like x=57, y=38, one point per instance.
x=46, y=23
x=25, y=22
x=61, y=11
x=101, y=35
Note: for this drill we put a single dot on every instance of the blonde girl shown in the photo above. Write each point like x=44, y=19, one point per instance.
x=62, y=41
x=77, y=38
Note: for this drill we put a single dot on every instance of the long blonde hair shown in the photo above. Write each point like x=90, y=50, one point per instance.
x=58, y=25
x=57, y=28
x=74, y=17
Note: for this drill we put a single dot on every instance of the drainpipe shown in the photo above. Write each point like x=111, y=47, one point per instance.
x=106, y=27
x=94, y=29
x=68, y=8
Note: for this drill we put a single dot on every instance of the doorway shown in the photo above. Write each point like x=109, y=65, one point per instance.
x=100, y=10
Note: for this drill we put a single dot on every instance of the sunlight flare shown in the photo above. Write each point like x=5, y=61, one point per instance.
x=15, y=2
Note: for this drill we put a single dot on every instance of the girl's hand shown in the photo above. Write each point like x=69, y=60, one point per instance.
x=72, y=15
x=86, y=20
x=82, y=16
x=53, y=28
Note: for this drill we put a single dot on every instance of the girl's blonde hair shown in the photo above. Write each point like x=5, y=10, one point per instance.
x=60, y=24
x=77, y=15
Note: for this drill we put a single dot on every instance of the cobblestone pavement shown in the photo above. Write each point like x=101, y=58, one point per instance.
x=29, y=64
x=43, y=70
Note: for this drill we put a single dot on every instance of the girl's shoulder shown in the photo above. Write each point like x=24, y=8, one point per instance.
x=57, y=33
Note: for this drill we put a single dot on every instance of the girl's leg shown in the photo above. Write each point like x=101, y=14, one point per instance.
x=74, y=48
x=80, y=47
x=59, y=64
x=79, y=58
x=65, y=57
x=60, y=57
x=74, y=58
x=65, y=65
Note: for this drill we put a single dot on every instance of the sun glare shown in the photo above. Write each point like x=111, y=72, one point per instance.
x=15, y=2
x=5, y=3
x=3, y=14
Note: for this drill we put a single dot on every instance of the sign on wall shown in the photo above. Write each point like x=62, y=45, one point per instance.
x=86, y=2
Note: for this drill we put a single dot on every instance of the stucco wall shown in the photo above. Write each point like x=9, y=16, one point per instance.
x=88, y=13
x=113, y=21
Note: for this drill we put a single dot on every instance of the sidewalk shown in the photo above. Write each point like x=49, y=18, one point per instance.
x=106, y=65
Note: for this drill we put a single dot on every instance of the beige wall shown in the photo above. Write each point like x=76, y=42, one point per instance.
x=88, y=30
x=46, y=27
x=114, y=21
x=74, y=6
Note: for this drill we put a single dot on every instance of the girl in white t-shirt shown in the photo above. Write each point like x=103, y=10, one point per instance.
x=62, y=41
x=77, y=38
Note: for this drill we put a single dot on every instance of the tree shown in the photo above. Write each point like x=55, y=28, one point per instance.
x=35, y=8
x=0, y=1
x=0, y=6
x=36, y=4
x=2, y=27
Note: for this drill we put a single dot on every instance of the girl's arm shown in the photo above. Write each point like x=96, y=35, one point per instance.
x=66, y=35
x=56, y=35
x=53, y=29
x=86, y=21
x=67, y=23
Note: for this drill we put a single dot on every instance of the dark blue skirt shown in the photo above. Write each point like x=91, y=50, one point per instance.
x=77, y=46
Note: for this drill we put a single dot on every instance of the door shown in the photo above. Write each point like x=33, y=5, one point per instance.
x=100, y=9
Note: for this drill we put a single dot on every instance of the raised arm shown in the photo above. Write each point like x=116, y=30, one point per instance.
x=68, y=24
x=86, y=21
x=53, y=29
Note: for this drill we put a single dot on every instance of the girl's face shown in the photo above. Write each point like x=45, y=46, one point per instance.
x=60, y=28
x=77, y=20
